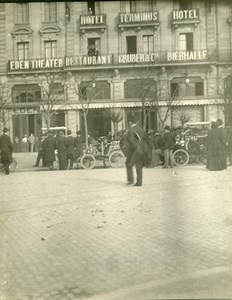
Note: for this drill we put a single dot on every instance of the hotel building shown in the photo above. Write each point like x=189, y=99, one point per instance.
x=181, y=49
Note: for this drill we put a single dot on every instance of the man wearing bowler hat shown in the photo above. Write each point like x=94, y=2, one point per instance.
x=135, y=152
x=6, y=150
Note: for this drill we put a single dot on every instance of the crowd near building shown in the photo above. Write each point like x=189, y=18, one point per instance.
x=159, y=60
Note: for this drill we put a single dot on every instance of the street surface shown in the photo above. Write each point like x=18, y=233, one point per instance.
x=84, y=234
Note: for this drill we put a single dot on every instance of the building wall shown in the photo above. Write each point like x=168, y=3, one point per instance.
x=212, y=32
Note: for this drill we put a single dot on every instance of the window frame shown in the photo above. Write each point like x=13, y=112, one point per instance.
x=23, y=53
x=51, y=49
x=50, y=12
x=26, y=90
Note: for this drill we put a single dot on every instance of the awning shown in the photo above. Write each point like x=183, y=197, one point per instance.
x=125, y=104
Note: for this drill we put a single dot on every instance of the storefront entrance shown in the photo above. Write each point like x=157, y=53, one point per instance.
x=25, y=125
x=99, y=123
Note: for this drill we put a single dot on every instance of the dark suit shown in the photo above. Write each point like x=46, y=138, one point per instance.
x=70, y=146
x=6, y=151
x=135, y=153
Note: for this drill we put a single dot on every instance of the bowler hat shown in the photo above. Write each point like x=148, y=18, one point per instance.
x=220, y=122
x=133, y=119
x=167, y=127
x=5, y=130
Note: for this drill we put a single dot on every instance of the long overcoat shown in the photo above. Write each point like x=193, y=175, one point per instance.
x=49, y=147
x=6, y=149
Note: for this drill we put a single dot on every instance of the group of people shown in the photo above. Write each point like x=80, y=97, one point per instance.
x=219, y=146
x=68, y=149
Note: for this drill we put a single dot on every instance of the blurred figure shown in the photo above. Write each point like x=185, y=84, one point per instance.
x=49, y=147
x=123, y=141
x=79, y=147
x=31, y=141
x=215, y=149
x=70, y=147
x=40, y=153
x=6, y=150
x=229, y=141
x=157, y=156
x=168, y=145
x=223, y=140
x=62, y=151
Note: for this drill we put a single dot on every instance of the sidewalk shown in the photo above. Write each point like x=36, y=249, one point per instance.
x=84, y=234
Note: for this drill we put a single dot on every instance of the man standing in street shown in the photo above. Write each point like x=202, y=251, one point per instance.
x=6, y=150
x=136, y=151
x=168, y=147
x=70, y=145
x=49, y=147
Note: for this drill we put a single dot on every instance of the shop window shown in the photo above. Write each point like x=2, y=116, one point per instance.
x=131, y=42
x=179, y=88
x=148, y=43
x=23, y=50
x=26, y=93
x=94, y=46
x=93, y=7
x=186, y=41
x=50, y=11
x=58, y=119
x=139, y=88
x=22, y=13
x=50, y=49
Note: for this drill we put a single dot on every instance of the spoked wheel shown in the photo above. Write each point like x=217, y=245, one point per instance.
x=181, y=157
x=117, y=159
x=13, y=165
x=88, y=161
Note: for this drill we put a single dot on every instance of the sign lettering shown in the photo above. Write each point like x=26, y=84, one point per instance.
x=185, y=14
x=138, y=17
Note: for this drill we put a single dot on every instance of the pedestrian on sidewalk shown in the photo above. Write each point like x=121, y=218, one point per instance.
x=62, y=151
x=137, y=148
x=168, y=145
x=70, y=148
x=49, y=147
x=40, y=154
x=31, y=141
x=6, y=150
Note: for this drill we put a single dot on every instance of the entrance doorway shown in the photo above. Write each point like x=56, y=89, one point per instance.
x=25, y=125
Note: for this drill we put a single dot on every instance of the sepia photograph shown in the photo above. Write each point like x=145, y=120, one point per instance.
x=116, y=150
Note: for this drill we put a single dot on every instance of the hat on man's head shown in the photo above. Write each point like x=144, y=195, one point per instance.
x=133, y=119
x=167, y=127
x=5, y=130
x=78, y=132
x=69, y=132
x=220, y=122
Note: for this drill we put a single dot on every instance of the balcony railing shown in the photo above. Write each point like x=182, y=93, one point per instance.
x=111, y=60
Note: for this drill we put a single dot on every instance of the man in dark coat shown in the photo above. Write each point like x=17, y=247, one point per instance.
x=70, y=147
x=62, y=151
x=49, y=147
x=135, y=152
x=6, y=150
x=223, y=142
x=168, y=147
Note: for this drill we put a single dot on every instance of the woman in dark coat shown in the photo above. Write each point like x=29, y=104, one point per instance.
x=62, y=150
x=215, y=149
x=49, y=147
x=6, y=150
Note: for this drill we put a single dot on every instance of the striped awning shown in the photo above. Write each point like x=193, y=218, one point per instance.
x=125, y=104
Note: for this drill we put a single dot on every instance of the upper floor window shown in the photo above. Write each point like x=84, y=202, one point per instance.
x=185, y=4
x=22, y=13
x=88, y=91
x=128, y=6
x=93, y=7
x=179, y=87
x=23, y=50
x=186, y=41
x=26, y=93
x=50, y=12
x=131, y=43
x=94, y=45
x=50, y=49
x=148, y=43
x=143, y=88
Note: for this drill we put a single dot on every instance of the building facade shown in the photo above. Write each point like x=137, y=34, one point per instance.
x=158, y=59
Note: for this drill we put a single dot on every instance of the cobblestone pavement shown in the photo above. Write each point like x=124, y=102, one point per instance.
x=84, y=234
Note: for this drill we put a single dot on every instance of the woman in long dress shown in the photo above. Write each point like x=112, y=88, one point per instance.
x=215, y=149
